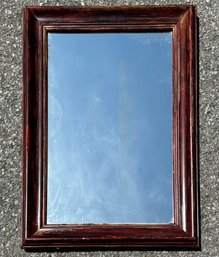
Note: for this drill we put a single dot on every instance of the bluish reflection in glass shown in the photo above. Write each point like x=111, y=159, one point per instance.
x=109, y=128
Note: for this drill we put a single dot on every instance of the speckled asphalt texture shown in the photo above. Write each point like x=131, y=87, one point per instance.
x=11, y=127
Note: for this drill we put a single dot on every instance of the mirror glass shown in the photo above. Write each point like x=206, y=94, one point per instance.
x=110, y=128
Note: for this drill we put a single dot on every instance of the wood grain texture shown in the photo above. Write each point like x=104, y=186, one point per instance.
x=184, y=232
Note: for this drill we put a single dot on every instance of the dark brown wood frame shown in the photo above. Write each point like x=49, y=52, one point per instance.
x=184, y=232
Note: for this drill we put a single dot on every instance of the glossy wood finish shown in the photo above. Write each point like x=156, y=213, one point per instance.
x=184, y=232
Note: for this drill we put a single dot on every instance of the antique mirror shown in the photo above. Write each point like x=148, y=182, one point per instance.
x=110, y=128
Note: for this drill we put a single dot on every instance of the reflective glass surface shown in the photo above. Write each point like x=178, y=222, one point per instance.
x=110, y=128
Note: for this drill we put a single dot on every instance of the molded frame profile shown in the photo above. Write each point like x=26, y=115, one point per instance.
x=184, y=232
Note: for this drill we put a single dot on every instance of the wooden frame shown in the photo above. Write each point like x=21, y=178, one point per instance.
x=184, y=232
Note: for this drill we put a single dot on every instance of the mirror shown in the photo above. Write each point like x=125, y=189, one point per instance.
x=109, y=128
x=110, y=144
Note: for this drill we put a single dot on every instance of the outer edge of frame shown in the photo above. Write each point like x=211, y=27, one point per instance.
x=195, y=128
x=25, y=131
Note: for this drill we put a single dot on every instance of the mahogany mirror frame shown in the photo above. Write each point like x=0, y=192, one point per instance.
x=183, y=233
